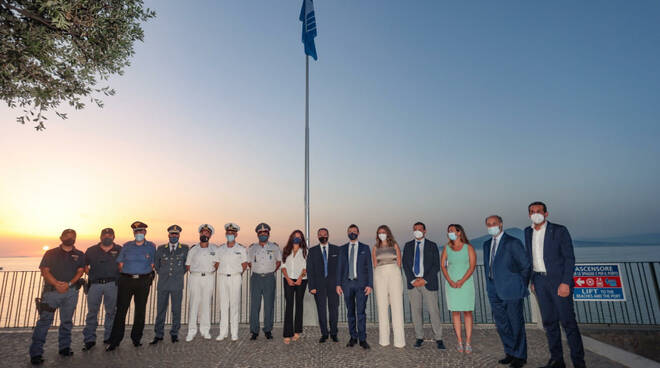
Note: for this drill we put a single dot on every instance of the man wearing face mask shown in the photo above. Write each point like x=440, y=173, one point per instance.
x=507, y=269
x=136, y=265
x=202, y=262
x=61, y=269
x=264, y=258
x=233, y=262
x=169, y=263
x=355, y=280
x=322, y=276
x=421, y=264
x=103, y=274
x=550, y=247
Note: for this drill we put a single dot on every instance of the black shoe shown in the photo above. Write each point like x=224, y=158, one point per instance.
x=269, y=335
x=555, y=364
x=517, y=363
x=156, y=340
x=37, y=360
x=323, y=339
x=66, y=352
x=254, y=336
x=88, y=345
x=107, y=342
x=440, y=345
x=137, y=343
x=418, y=343
x=334, y=338
x=175, y=338
x=112, y=347
x=365, y=345
x=351, y=343
x=507, y=359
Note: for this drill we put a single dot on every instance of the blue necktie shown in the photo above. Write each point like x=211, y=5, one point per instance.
x=417, y=259
x=325, y=262
x=351, y=260
x=493, y=249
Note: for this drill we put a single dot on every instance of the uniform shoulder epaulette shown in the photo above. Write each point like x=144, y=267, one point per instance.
x=193, y=246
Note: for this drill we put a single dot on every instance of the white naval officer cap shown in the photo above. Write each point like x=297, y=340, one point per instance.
x=206, y=227
x=232, y=227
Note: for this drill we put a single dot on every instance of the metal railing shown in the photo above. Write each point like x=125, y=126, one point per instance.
x=19, y=288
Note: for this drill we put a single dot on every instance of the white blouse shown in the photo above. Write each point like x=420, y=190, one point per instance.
x=295, y=264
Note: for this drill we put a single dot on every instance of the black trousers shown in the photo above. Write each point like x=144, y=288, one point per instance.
x=130, y=288
x=327, y=305
x=293, y=295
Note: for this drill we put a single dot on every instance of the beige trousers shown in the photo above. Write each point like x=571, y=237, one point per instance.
x=389, y=295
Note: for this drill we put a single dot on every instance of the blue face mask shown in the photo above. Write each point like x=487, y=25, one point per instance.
x=452, y=236
x=493, y=230
x=352, y=236
x=297, y=240
x=231, y=237
x=174, y=239
x=139, y=237
x=263, y=238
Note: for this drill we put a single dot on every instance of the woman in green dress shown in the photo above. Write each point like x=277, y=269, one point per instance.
x=458, y=261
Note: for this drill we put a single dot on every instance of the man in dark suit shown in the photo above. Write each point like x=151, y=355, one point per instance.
x=421, y=264
x=507, y=269
x=322, y=282
x=355, y=281
x=550, y=248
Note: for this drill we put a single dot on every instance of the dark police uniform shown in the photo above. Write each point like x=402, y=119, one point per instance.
x=63, y=266
x=103, y=277
x=170, y=263
x=134, y=281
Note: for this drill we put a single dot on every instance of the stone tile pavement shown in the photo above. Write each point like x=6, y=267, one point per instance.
x=306, y=352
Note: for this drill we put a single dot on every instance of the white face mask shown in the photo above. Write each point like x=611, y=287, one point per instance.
x=418, y=234
x=537, y=218
x=382, y=236
x=493, y=230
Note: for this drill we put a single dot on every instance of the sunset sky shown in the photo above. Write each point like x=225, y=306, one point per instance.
x=429, y=110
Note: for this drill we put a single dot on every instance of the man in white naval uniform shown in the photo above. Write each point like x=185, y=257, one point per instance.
x=233, y=261
x=202, y=262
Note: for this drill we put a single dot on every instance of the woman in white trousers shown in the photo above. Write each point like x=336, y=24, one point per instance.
x=388, y=286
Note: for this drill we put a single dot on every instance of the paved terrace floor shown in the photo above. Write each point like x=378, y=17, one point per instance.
x=306, y=352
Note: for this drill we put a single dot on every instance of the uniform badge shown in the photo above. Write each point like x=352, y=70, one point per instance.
x=114, y=253
x=75, y=257
x=212, y=253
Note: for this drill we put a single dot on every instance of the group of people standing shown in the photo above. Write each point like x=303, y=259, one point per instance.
x=117, y=274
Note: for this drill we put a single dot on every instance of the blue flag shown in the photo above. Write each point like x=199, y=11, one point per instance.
x=308, y=27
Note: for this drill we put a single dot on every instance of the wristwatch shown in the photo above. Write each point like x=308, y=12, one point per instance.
x=69, y=283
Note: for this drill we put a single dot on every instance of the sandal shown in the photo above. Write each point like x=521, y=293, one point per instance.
x=287, y=340
x=459, y=348
x=468, y=349
x=295, y=337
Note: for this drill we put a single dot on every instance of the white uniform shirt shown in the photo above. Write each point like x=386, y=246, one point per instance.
x=538, y=236
x=295, y=264
x=264, y=258
x=231, y=259
x=202, y=259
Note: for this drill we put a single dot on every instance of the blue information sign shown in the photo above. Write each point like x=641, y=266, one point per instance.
x=598, y=282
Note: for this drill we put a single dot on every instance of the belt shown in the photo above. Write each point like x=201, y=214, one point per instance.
x=202, y=273
x=104, y=281
x=541, y=273
x=231, y=274
x=136, y=276
x=263, y=274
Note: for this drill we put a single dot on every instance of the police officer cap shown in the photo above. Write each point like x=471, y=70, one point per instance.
x=108, y=230
x=207, y=227
x=138, y=225
x=232, y=227
x=174, y=229
x=262, y=227
x=68, y=231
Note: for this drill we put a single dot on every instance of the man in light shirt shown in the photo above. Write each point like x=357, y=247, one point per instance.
x=233, y=262
x=201, y=262
x=551, y=249
x=264, y=258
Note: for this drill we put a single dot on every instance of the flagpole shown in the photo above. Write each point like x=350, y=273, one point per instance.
x=307, y=148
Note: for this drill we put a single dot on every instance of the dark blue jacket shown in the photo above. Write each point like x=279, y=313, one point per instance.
x=431, y=264
x=365, y=275
x=315, y=274
x=511, y=269
x=558, y=253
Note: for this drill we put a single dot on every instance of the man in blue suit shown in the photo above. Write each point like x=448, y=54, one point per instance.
x=507, y=269
x=322, y=282
x=550, y=248
x=355, y=281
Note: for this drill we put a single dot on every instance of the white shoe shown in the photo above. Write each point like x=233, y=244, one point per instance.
x=220, y=338
x=190, y=337
x=234, y=338
x=207, y=336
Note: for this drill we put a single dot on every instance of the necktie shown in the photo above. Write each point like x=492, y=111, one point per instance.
x=493, y=249
x=325, y=262
x=351, y=260
x=171, y=248
x=416, y=266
